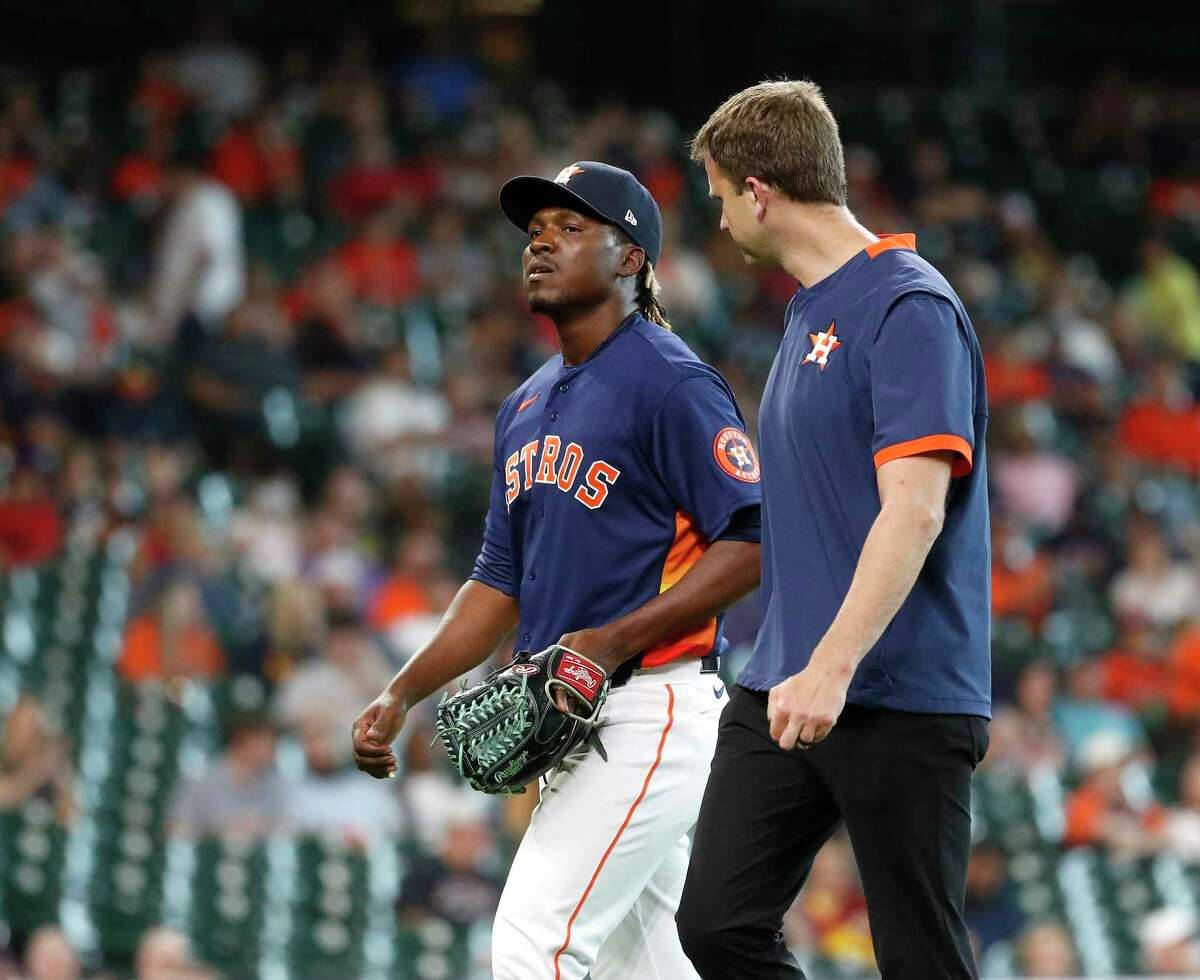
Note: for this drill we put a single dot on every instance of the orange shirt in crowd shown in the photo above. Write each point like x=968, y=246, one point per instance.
x=197, y=653
x=1132, y=680
x=1183, y=691
x=396, y=598
x=1153, y=432
x=385, y=272
x=1087, y=809
x=136, y=174
x=1014, y=381
x=249, y=169
x=1027, y=591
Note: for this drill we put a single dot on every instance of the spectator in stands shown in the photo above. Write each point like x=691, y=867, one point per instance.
x=460, y=883
x=1169, y=943
x=1182, y=829
x=172, y=641
x=393, y=425
x=991, y=910
x=349, y=666
x=1022, y=576
x=1154, y=584
x=35, y=762
x=1104, y=811
x=1136, y=672
x=243, y=383
x=241, y=795
x=1159, y=427
x=1034, y=741
x=1045, y=949
x=30, y=527
x=166, y=954
x=332, y=799
x=49, y=955
x=1183, y=693
x=1082, y=711
x=199, y=274
x=1166, y=296
x=266, y=532
x=1034, y=485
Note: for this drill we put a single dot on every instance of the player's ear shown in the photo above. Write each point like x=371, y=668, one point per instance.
x=632, y=259
x=760, y=195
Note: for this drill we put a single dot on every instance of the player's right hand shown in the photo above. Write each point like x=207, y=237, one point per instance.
x=373, y=733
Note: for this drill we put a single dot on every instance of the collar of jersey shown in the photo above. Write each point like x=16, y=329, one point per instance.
x=856, y=261
x=621, y=328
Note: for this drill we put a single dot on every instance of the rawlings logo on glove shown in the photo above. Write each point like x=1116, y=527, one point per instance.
x=583, y=675
x=507, y=731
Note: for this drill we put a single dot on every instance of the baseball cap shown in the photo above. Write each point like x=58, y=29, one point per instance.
x=589, y=187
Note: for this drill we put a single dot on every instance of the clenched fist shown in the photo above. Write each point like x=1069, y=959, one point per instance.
x=803, y=709
x=373, y=734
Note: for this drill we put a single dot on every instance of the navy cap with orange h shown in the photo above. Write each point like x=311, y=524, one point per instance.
x=592, y=188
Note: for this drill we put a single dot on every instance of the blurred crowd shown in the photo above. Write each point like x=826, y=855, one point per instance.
x=260, y=310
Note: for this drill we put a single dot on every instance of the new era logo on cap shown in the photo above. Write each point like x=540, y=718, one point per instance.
x=630, y=218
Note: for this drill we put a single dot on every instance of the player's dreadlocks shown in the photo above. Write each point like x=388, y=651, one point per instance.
x=648, y=293
x=648, y=296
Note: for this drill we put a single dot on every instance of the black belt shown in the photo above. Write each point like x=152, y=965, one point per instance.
x=708, y=665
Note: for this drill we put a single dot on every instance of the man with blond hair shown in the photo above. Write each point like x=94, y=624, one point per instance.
x=866, y=698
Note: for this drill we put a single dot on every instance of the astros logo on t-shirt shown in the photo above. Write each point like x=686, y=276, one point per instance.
x=736, y=455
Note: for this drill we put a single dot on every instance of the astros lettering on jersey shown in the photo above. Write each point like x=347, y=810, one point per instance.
x=611, y=478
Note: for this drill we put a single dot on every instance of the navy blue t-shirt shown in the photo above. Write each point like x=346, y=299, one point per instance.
x=879, y=361
x=611, y=478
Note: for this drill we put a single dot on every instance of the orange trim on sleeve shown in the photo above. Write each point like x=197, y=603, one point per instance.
x=629, y=816
x=886, y=242
x=930, y=444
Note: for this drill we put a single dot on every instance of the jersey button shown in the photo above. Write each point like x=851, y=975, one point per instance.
x=528, y=637
x=564, y=386
x=532, y=576
x=554, y=416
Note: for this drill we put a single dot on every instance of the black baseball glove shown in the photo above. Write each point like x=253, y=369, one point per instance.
x=506, y=731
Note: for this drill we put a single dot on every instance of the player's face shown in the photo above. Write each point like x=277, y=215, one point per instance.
x=571, y=260
x=739, y=213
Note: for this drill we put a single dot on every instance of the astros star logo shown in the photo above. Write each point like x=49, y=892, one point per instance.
x=567, y=173
x=824, y=343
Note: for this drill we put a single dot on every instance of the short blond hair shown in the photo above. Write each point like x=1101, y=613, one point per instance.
x=782, y=133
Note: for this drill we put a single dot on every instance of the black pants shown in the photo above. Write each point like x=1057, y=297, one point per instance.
x=902, y=784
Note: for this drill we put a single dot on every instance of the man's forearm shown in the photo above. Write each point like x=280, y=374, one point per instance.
x=727, y=571
x=892, y=556
x=477, y=620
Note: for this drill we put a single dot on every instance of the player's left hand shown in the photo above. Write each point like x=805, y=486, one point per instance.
x=803, y=709
x=599, y=645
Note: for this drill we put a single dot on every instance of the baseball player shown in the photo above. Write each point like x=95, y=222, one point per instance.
x=623, y=520
x=866, y=698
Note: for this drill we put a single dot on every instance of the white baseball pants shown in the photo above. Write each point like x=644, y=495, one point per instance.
x=596, y=881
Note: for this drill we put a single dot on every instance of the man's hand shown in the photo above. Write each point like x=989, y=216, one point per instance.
x=602, y=646
x=803, y=709
x=373, y=734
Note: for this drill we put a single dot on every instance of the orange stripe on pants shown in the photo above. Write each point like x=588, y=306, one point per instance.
x=613, y=843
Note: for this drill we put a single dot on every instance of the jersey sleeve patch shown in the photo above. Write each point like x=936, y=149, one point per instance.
x=735, y=455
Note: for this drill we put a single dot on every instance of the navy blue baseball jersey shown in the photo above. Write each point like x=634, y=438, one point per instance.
x=879, y=361
x=611, y=478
